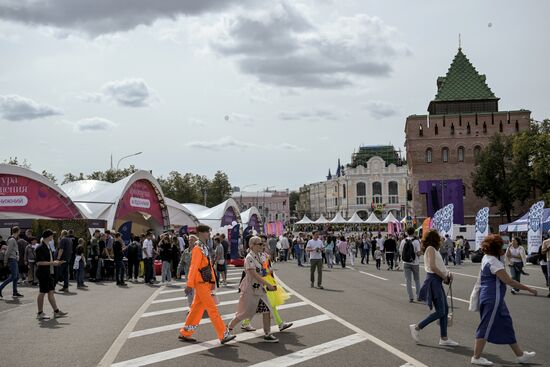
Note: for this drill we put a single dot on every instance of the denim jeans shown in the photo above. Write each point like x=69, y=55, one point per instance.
x=389, y=259
x=64, y=274
x=79, y=275
x=316, y=263
x=365, y=255
x=440, y=313
x=298, y=252
x=119, y=271
x=166, y=276
x=515, y=272
x=330, y=258
x=411, y=271
x=14, y=275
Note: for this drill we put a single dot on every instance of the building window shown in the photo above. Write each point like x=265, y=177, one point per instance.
x=377, y=192
x=500, y=127
x=344, y=190
x=484, y=128
x=477, y=151
x=461, y=154
x=452, y=129
x=429, y=155
x=361, y=193
x=468, y=129
x=436, y=130
x=445, y=154
x=517, y=126
x=393, y=192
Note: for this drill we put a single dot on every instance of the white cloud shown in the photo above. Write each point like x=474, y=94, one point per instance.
x=224, y=143
x=292, y=147
x=381, y=109
x=282, y=46
x=17, y=108
x=132, y=92
x=309, y=115
x=90, y=97
x=104, y=16
x=195, y=122
x=239, y=118
x=94, y=124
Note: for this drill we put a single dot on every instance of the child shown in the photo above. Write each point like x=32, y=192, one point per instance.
x=80, y=264
x=378, y=257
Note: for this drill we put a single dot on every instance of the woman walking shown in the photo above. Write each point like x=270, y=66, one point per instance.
x=515, y=254
x=343, y=249
x=329, y=251
x=496, y=324
x=432, y=291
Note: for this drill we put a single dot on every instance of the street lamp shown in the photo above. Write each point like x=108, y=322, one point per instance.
x=128, y=156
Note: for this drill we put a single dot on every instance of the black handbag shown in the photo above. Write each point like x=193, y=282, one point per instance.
x=206, y=272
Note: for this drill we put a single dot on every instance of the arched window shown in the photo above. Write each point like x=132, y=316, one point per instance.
x=468, y=129
x=445, y=155
x=429, y=155
x=436, y=130
x=361, y=189
x=477, y=151
x=420, y=131
x=377, y=192
x=484, y=128
x=344, y=191
x=460, y=154
x=393, y=192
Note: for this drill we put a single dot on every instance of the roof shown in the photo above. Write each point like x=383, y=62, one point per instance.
x=386, y=152
x=462, y=82
x=179, y=215
x=213, y=216
x=247, y=214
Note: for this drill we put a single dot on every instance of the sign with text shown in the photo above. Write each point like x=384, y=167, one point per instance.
x=482, y=226
x=534, y=229
x=140, y=197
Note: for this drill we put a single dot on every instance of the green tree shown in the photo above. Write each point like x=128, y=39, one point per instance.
x=180, y=187
x=69, y=177
x=49, y=175
x=219, y=189
x=112, y=175
x=493, y=173
x=14, y=161
x=294, y=197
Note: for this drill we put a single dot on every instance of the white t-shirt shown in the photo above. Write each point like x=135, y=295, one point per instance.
x=494, y=263
x=182, y=243
x=438, y=262
x=314, y=245
x=416, y=245
x=380, y=244
x=148, y=248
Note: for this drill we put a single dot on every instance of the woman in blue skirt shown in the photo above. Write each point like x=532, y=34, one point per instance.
x=496, y=324
x=432, y=291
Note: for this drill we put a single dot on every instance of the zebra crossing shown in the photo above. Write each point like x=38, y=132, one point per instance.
x=150, y=338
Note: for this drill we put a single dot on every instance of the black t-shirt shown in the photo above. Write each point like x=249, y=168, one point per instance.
x=390, y=245
x=117, y=250
x=166, y=251
x=43, y=253
x=133, y=250
x=101, y=248
x=225, y=245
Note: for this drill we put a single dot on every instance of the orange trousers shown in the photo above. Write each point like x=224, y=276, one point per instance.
x=203, y=301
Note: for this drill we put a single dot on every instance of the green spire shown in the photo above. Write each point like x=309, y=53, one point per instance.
x=462, y=82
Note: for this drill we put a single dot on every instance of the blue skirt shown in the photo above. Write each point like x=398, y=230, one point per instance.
x=496, y=324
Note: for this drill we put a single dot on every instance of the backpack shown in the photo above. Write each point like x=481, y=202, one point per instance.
x=409, y=254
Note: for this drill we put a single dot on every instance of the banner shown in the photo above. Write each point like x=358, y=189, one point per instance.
x=234, y=241
x=140, y=197
x=534, y=231
x=426, y=225
x=125, y=231
x=443, y=220
x=183, y=230
x=482, y=226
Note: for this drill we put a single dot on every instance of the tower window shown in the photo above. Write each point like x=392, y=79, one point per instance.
x=429, y=155
x=445, y=155
x=436, y=130
x=461, y=154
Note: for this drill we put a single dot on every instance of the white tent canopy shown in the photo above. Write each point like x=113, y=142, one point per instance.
x=390, y=219
x=247, y=214
x=373, y=219
x=338, y=219
x=321, y=220
x=305, y=220
x=355, y=219
x=179, y=215
x=214, y=216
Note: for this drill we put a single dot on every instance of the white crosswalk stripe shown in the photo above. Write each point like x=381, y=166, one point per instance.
x=182, y=309
x=185, y=298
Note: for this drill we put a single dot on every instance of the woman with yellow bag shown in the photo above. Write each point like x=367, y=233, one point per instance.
x=276, y=298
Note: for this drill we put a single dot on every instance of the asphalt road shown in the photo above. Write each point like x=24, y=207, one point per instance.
x=361, y=318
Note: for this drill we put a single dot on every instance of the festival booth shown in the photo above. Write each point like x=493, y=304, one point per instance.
x=220, y=218
x=180, y=216
x=305, y=220
x=394, y=225
x=30, y=200
x=137, y=198
x=338, y=219
x=522, y=224
x=322, y=220
x=355, y=219
x=252, y=218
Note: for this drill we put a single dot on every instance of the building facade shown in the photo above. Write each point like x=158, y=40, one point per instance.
x=372, y=186
x=273, y=205
x=442, y=146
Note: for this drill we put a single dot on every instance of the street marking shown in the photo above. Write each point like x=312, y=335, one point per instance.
x=181, y=309
x=115, y=348
x=183, y=351
x=228, y=316
x=370, y=337
x=185, y=298
x=313, y=352
x=372, y=275
x=455, y=298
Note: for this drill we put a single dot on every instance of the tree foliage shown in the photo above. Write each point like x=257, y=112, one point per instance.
x=294, y=197
x=190, y=188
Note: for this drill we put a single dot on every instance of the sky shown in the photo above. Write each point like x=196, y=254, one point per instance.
x=270, y=92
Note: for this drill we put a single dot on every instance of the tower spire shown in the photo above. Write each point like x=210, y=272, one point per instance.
x=459, y=41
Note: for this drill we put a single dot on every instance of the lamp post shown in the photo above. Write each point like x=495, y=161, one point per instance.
x=128, y=156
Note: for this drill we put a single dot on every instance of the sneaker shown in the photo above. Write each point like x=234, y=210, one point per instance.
x=248, y=328
x=411, y=300
x=284, y=326
x=42, y=316
x=448, y=343
x=320, y=287
x=227, y=337
x=526, y=357
x=513, y=291
x=270, y=338
x=65, y=290
x=415, y=333
x=59, y=314
x=17, y=295
x=481, y=361
x=312, y=285
x=187, y=339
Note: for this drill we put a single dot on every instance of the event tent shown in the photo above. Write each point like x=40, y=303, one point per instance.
x=338, y=219
x=390, y=218
x=321, y=220
x=372, y=219
x=305, y=220
x=179, y=215
x=521, y=224
x=252, y=217
x=355, y=219
x=220, y=216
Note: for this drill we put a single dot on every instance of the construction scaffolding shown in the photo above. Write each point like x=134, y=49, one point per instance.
x=387, y=152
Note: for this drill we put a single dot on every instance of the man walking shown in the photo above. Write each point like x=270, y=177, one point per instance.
x=11, y=260
x=118, y=255
x=148, y=258
x=285, y=246
x=315, y=250
x=410, y=253
x=390, y=246
x=64, y=254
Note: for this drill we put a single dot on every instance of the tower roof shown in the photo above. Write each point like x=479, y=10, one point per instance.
x=463, y=82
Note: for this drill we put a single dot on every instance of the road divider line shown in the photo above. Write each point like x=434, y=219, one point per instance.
x=372, y=275
x=396, y=352
x=115, y=348
x=182, y=309
x=228, y=316
x=195, y=348
x=185, y=298
x=313, y=352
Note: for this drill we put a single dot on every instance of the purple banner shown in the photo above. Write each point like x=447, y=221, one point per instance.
x=440, y=193
x=229, y=217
